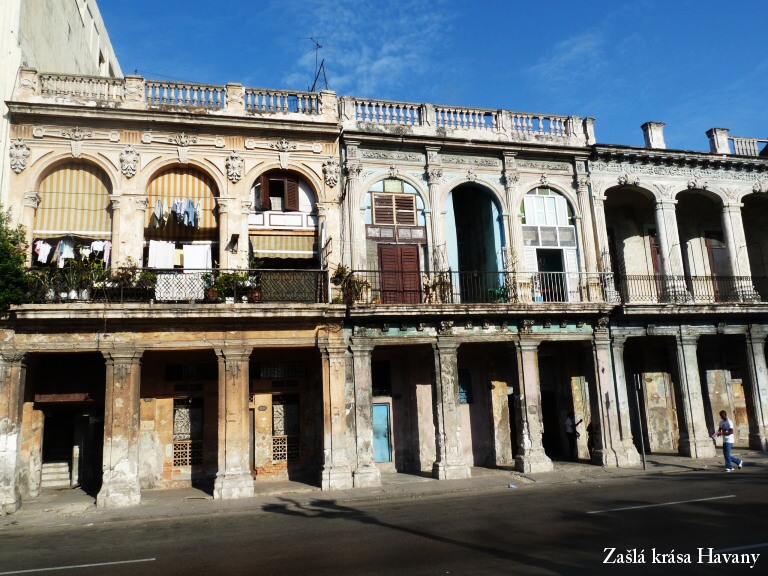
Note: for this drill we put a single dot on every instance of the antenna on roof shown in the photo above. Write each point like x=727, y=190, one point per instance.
x=319, y=69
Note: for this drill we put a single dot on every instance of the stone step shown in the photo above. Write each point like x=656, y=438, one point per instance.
x=55, y=475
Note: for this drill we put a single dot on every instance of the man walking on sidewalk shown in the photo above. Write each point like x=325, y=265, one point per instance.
x=725, y=429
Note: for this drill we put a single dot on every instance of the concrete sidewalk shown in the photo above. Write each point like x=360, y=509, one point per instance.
x=73, y=507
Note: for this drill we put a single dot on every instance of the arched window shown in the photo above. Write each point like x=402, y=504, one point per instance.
x=181, y=227
x=73, y=218
x=549, y=239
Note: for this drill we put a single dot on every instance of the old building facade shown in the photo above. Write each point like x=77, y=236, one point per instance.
x=235, y=285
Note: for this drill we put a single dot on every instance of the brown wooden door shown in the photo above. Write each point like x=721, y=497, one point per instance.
x=399, y=267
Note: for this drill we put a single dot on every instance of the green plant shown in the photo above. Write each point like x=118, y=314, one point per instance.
x=339, y=275
x=354, y=289
x=14, y=279
x=146, y=279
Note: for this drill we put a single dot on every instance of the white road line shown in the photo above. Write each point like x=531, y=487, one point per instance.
x=662, y=504
x=78, y=566
x=763, y=545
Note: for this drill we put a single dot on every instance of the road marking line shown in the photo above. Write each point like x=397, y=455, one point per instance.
x=662, y=504
x=763, y=545
x=78, y=566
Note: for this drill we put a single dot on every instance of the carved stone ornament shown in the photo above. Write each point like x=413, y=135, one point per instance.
x=511, y=177
x=393, y=171
x=385, y=327
x=699, y=183
x=625, y=179
x=331, y=172
x=354, y=169
x=234, y=166
x=471, y=176
x=19, y=152
x=760, y=187
x=650, y=329
x=76, y=134
x=129, y=161
x=544, y=180
x=602, y=322
x=182, y=139
x=282, y=145
x=446, y=326
x=526, y=326
x=434, y=175
x=547, y=324
x=583, y=182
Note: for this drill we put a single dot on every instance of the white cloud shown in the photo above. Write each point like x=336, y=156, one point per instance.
x=372, y=49
x=573, y=59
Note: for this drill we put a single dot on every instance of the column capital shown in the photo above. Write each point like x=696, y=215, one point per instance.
x=446, y=346
x=13, y=356
x=618, y=341
x=528, y=344
x=361, y=348
x=131, y=356
x=354, y=169
x=233, y=354
x=732, y=207
x=757, y=333
x=665, y=204
x=688, y=338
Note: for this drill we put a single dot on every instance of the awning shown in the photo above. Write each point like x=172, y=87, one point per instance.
x=74, y=200
x=284, y=246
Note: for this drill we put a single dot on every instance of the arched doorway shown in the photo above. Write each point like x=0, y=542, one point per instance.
x=550, y=249
x=475, y=243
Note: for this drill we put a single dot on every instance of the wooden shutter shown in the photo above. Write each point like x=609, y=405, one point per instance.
x=530, y=210
x=291, y=203
x=411, y=283
x=572, y=278
x=405, y=210
x=653, y=245
x=383, y=209
x=265, y=202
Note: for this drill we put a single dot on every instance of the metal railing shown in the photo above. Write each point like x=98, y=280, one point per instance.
x=475, y=287
x=659, y=289
x=206, y=286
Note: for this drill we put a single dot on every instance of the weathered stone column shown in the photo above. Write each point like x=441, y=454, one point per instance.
x=670, y=251
x=366, y=473
x=223, y=205
x=233, y=478
x=337, y=472
x=694, y=438
x=738, y=256
x=27, y=218
x=606, y=431
x=12, y=378
x=626, y=452
x=355, y=230
x=513, y=228
x=120, y=465
x=758, y=376
x=450, y=463
x=436, y=225
x=581, y=184
x=502, y=443
x=114, y=205
x=531, y=456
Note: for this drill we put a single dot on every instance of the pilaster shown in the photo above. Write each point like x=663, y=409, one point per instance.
x=120, y=465
x=738, y=255
x=500, y=417
x=531, y=455
x=366, y=473
x=233, y=478
x=12, y=379
x=450, y=463
x=337, y=472
x=670, y=251
x=694, y=438
x=758, y=417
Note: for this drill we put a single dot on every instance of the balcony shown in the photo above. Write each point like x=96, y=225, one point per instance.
x=478, y=287
x=124, y=285
x=691, y=289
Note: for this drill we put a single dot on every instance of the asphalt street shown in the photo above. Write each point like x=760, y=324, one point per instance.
x=709, y=518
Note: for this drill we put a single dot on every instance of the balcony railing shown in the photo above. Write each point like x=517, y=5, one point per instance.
x=691, y=289
x=205, y=286
x=477, y=287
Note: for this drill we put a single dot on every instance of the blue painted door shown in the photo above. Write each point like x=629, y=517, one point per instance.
x=382, y=447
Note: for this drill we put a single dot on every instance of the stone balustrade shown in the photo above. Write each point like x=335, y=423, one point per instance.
x=159, y=92
x=260, y=100
x=84, y=87
x=747, y=146
x=474, y=123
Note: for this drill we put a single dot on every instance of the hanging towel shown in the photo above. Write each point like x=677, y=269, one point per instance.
x=107, y=251
x=160, y=254
x=197, y=257
x=43, y=251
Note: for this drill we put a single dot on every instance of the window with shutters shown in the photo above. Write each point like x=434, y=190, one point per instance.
x=547, y=220
x=278, y=191
x=394, y=209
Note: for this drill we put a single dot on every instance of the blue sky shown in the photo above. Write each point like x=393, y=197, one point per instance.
x=692, y=64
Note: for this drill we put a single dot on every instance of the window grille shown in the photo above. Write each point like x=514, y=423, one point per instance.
x=567, y=236
x=285, y=448
x=188, y=453
x=548, y=236
x=531, y=235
